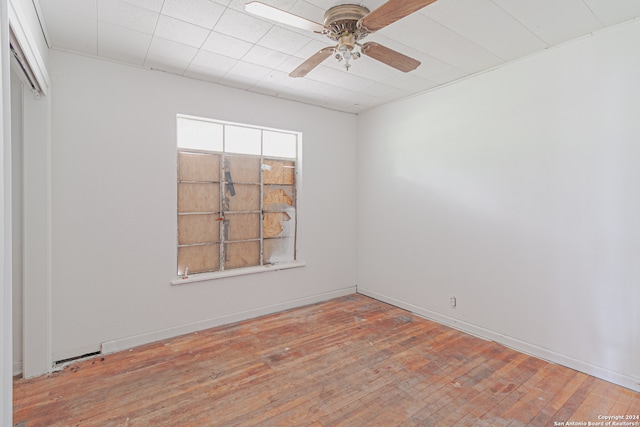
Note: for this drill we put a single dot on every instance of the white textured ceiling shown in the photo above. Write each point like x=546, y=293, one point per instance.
x=216, y=40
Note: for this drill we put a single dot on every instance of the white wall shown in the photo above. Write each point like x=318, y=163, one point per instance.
x=5, y=224
x=515, y=191
x=114, y=205
x=16, y=215
x=31, y=273
x=36, y=231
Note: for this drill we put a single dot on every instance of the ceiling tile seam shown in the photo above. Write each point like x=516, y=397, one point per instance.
x=406, y=47
x=221, y=54
x=522, y=24
x=155, y=27
x=123, y=27
x=281, y=89
x=476, y=44
x=200, y=48
x=295, y=54
x=468, y=76
x=194, y=56
x=237, y=60
x=175, y=42
x=186, y=22
x=310, y=77
x=256, y=43
x=98, y=21
x=143, y=7
x=594, y=14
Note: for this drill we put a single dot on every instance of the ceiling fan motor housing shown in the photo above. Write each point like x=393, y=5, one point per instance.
x=343, y=20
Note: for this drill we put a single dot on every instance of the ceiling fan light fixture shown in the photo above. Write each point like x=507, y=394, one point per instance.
x=346, y=49
x=346, y=53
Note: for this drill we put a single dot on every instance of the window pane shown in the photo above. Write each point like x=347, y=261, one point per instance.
x=241, y=226
x=241, y=254
x=279, y=250
x=199, y=258
x=243, y=169
x=198, y=197
x=278, y=172
x=279, y=224
x=278, y=198
x=278, y=144
x=199, y=134
x=242, y=140
x=241, y=197
x=198, y=167
x=198, y=228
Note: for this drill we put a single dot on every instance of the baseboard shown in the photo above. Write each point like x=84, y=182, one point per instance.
x=17, y=368
x=152, y=336
x=623, y=380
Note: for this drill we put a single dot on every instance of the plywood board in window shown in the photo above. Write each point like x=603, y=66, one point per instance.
x=278, y=224
x=242, y=254
x=278, y=198
x=198, y=197
x=243, y=169
x=288, y=172
x=199, y=258
x=279, y=172
x=278, y=250
x=246, y=197
x=242, y=226
x=198, y=229
x=198, y=167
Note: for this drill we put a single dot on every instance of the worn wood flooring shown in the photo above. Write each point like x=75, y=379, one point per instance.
x=351, y=361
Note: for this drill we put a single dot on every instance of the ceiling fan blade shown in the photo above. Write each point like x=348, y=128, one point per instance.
x=390, y=57
x=274, y=14
x=390, y=12
x=311, y=63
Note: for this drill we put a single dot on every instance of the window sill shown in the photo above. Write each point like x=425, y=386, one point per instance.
x=201, y=277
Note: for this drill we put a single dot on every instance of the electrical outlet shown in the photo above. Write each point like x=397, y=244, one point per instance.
x=452, y=301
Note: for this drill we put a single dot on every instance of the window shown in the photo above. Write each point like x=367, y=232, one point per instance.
x=237, y=192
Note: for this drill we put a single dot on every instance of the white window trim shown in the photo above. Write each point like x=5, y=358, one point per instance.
x=214, y=275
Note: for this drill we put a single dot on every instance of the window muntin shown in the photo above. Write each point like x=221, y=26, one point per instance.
x=236, y=196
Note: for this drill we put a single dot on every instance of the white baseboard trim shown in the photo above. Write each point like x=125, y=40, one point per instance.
x=514, y=343
x=152, y=336
x=17, y=368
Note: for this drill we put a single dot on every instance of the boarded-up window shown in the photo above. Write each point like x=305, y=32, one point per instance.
x=236, y=196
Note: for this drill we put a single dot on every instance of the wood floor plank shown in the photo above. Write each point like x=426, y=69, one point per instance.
x=351, y=361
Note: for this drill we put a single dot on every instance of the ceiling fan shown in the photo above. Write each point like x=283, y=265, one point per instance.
x=347, y=24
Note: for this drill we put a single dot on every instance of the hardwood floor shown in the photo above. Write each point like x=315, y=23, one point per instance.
x=352, y=361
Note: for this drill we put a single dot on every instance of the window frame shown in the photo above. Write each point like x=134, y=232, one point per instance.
x=222, y=184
